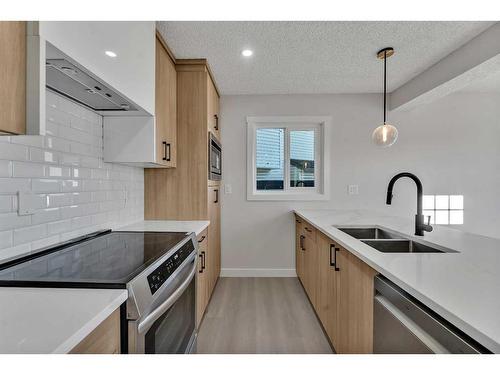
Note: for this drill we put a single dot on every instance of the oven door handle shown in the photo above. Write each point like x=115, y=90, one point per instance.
x=155, y=314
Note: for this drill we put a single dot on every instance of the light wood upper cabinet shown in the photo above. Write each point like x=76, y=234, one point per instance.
x=213, y=116
x=166, y=107
x=12, y=77
x=148, y=141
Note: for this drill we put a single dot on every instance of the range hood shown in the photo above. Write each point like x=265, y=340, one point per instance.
x=67, y=79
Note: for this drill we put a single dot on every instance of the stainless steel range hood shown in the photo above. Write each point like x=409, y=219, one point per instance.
x=67, y=78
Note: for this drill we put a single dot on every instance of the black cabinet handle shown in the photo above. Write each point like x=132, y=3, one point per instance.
x=335, y=259
x=202, y=239
x=216, y=127
x=203, y=260
x=309, y=230
x=332, y=255
x=166, y=151
x=216, y=196
x=301, y=243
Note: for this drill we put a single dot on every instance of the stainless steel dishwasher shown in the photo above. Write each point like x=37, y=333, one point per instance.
x=404, y=325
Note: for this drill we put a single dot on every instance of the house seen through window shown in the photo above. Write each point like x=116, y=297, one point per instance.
x=277, y=162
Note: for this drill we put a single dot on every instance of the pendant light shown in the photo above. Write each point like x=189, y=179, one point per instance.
x=385, y=135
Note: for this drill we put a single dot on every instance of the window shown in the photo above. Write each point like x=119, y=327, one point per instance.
x=444, y=209
x=286, y=158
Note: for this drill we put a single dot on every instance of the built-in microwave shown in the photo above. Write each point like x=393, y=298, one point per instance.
x=214, y=158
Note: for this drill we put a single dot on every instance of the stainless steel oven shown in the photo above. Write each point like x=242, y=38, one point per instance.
x=214, y=158
x=168, y=324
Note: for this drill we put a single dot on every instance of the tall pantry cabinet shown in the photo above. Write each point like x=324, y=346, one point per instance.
x=185, y=192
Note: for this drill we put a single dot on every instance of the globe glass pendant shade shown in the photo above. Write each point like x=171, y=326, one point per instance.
x=385, y=135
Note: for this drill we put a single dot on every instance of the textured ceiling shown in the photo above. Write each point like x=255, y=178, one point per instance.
x=315, y=57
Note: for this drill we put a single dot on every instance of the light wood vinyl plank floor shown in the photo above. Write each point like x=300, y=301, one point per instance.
x=260, y=315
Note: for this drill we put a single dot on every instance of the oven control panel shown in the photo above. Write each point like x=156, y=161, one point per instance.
x=161, y=274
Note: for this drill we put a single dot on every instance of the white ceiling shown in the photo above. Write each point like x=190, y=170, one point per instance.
x=315, y=57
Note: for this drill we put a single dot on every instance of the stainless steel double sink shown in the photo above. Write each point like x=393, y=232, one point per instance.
x=387, y=241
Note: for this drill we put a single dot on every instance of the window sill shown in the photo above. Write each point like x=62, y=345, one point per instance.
x=266, y=196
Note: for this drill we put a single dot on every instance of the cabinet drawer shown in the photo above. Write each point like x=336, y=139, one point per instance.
x=202, y=241
x=309, y=231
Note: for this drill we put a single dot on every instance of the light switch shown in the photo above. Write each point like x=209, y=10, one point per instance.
x=228, y=189
x=353, y=189
x=25, y=203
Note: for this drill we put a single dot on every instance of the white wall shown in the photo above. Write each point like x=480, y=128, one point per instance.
x=453, y=145
x=76, y=192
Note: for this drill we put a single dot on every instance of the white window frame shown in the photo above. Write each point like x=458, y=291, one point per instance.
x=320, y=191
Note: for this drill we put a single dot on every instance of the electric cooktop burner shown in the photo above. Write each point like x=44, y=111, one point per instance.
x=103, y=260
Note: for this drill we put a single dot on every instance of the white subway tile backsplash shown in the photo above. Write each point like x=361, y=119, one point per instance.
x=45, y=216
x=29, y=234
x=82, y=197
x=10, y=151
x=69, y=159
x=22, y=169
x=46, y=185
x=5, y=203
x=5, y=168
x=59, y=227
x=5, y=239
x=75, y=191
x=43, y=156
x=57, y=144
x=13, y=185
x=28, y=140
x=71, y=185
x=13, y=220
x=59, y=200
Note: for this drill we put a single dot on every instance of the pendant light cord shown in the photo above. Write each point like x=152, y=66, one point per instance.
x=385, y=82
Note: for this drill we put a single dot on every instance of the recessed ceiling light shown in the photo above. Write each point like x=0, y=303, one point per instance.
x=247, y=52
x=110, y=53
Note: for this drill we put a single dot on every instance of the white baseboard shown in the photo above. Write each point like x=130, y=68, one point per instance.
x=258, y=272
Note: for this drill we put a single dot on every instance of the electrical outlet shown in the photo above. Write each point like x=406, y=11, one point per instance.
x=353, y=189
x=25, y=203
x=228, y=189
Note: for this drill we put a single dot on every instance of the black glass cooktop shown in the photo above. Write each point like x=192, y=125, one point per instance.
x=108, y=260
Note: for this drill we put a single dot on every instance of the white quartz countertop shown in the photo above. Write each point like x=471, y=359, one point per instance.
x=41, y=320
x=463, y=287
x=196, y=226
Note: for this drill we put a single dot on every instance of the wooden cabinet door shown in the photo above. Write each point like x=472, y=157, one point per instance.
x=214, y=233
x=299, y=252
x=13, y=77
x=165, y=108
x=355, y=304
x=104, y=339
x=202, y=292
x=213, y=108
x=327, y=287
x=310, y=267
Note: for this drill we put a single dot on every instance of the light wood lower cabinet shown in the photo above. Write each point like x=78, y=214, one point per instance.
x=202, y=285
x=340, y=288
x=105, y=339
x=299, y=249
